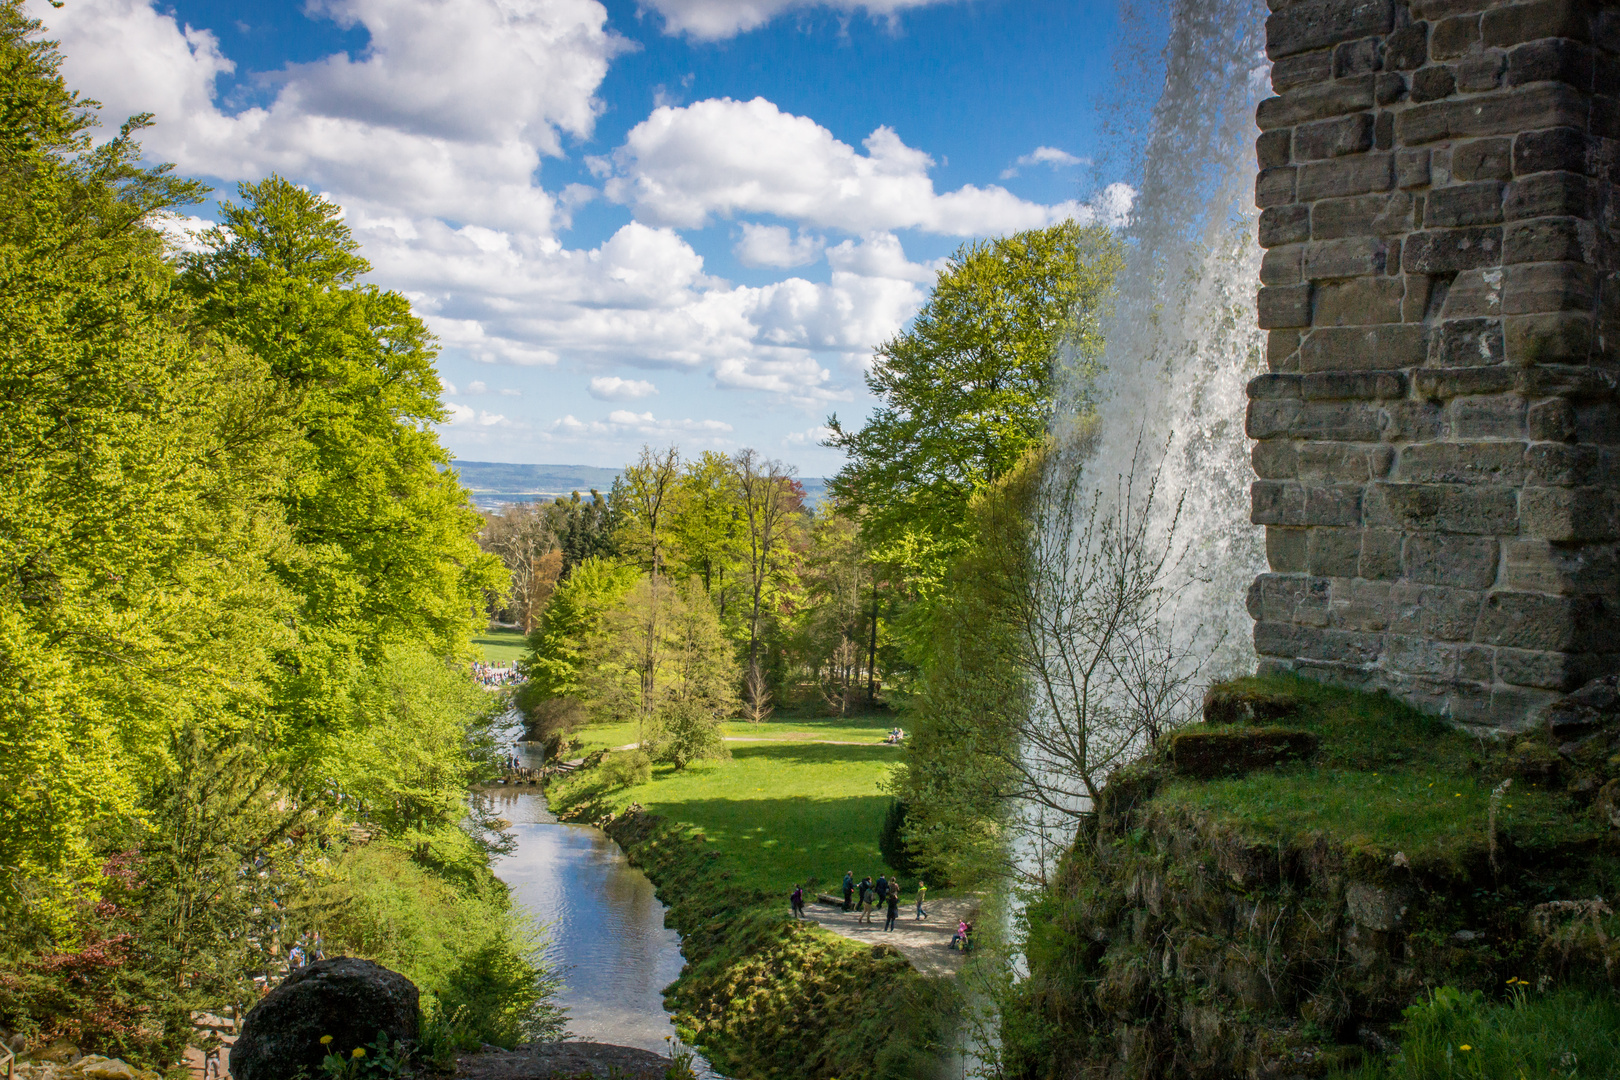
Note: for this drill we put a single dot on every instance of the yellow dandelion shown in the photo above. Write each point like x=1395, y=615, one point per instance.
x=1465, y=1047
x=359, y=1052
x=325, y=1039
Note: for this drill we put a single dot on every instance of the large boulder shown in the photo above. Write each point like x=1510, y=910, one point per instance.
x=350, y=1000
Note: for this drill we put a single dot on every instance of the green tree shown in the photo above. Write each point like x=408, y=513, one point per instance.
x=706, y=528
x=772, y=519
x=554, y=664
x=386, y=550
x=967, y=389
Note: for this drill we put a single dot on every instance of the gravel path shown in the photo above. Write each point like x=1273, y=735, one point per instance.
x=926, y=944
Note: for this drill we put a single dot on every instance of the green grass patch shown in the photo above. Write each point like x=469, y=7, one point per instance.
x=500, y=646
x=1570, y=1032
x=776, y=812
x=1385, y=776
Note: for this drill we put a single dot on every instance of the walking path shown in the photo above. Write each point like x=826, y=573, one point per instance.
x=926, y=944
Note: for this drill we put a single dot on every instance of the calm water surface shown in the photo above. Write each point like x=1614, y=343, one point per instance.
x=606, y=927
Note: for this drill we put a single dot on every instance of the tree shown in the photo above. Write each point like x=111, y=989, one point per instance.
x=522, y=536
x=585, y=528
x=644, y=495
x=385, y=536
x=554, y=664
x=836, y=630
x=706, y=528
x=771, y=504
x=968, y=388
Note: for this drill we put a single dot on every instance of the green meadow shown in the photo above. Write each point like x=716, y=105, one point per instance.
x=500, y=645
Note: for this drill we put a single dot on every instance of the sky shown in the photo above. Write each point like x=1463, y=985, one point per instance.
x=634, y=221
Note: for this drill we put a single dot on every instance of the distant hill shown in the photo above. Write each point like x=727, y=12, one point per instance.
x=493, y=483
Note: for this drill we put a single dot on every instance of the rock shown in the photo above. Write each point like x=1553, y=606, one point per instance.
x=1535, y=762
x=1228, y=704
x=350, y=1000
x=99, y=1068
x=1607, y=804
x=1373, y=907
x=1591, y=708
x=1229, y=751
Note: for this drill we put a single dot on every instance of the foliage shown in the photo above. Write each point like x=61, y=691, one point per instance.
x=891, y=839
x=524, y=537
x=378, y=1058
x=626, y=768
x=684, y=732
x=1456, y=1035
x=967, y=389
x=555, y=665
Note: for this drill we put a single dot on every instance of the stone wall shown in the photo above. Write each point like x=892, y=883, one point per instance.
x=1438, y=437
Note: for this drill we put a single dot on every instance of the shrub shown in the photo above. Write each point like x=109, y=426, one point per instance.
x=687, y=732
x=891, y=840
x=627, y=768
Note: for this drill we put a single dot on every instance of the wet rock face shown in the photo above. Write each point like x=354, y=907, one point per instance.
x=350, y=1000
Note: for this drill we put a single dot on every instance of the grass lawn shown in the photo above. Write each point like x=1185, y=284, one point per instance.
x=500, y=646
x=778, y=812
x=857, y=729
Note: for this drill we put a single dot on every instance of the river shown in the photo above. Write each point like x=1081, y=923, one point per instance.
x=605, y=925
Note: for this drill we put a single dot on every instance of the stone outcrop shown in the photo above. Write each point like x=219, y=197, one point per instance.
x=1437, y=434
x=350, y=1000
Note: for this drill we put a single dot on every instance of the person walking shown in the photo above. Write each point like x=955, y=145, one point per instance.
x=866, y=900
x=882, y=888
x=796, y=901
x=922, y=898
x=849, y=889
x=894, y=904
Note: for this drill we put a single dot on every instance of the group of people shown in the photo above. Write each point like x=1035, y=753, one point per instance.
x=306, y=950
x=487, y=674
x=865, y=894
x=895, y=736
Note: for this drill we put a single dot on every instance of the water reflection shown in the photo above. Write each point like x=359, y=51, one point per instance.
x=607, y=928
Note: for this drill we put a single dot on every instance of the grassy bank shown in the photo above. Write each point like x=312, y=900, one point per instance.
x=724, y=841
x=500, y=646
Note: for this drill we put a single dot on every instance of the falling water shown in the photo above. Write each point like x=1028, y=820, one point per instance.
x=1183, y=340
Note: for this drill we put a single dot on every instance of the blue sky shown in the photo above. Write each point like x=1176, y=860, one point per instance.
x=677, y=221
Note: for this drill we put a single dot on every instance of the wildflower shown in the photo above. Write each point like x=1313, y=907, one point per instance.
x=359, y=1052
x=1465, y=1047
x=325, y=1039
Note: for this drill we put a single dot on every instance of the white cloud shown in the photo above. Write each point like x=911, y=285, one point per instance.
x=623, y=421
x=773, y=245
x=459, y=414
x=613, y=388
x=713, y=19
x=447, y=112
x=716, y=158
x=1043, y=155
x=809, y=437
x=477, y=387
x=509, y=392
x=447, y=386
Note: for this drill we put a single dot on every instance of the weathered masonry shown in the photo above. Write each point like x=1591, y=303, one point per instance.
x=1438, y=452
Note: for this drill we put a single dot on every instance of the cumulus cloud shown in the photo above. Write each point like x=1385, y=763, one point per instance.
x=809, y=437
x=710, y=20
x=624, y=421
x=773, y=245
x=477, y=387
x=1043, y=155
x=410, y=124
x=613, y=388
x=685, y=166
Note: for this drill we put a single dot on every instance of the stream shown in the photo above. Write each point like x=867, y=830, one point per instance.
x=604, y=924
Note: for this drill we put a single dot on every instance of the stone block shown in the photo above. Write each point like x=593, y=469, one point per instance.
x=1412, y=421
x=1286, y=549
x=1340, y=646
x=1536, y=621
x=1407, y=48
x=1483, y=159
x=1551, y=60
x=1418, y=656
x=1412, y=168
x=1305, y=69
x=1499, y=463
x=1548, y=194
x=1469, y=562
x=1450, y=250
x=1349, y=421
x=1420, y=291
x=1542, y=566
x=1353, y=386
x=1315, y=102
x=1480, y=72
x=1530, y=288
x=1455, y=508
x=1362, y=605
x=1474, y=294
x=1563, y=337
x=1271, y=419
x=1433, y=83
x=1273, y=148
x=1565, y=515
x=1333, y=552
x=1515, y=23
x=1478, y=203
x=1281, y=265
x=1557, y=464
x=1380, y=555
x=1343, y=462
x=1448, y=614
x=1358, y=57
x=1554, y=150
x=1263, y=387
x=1274, y=187
x=1547, y=670
x=1316, y=24
x=1285, y=225
x=1502, y=112
x=1284, y=306
x=1351, y=257
x=1276, y=502
x=1356, y=175
x=1333, y=138
x=1282, y=350
x=1363, y=348
x=1499, y=416
x=1454, y=36
x=1339, y=505
x=1548, y=239
x=1233, y=751
x=1358, y=301
x=1377, y=214
x=1468, y=342
x=1274, y=459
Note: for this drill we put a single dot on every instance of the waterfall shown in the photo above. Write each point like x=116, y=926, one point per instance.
x=1167, y=407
